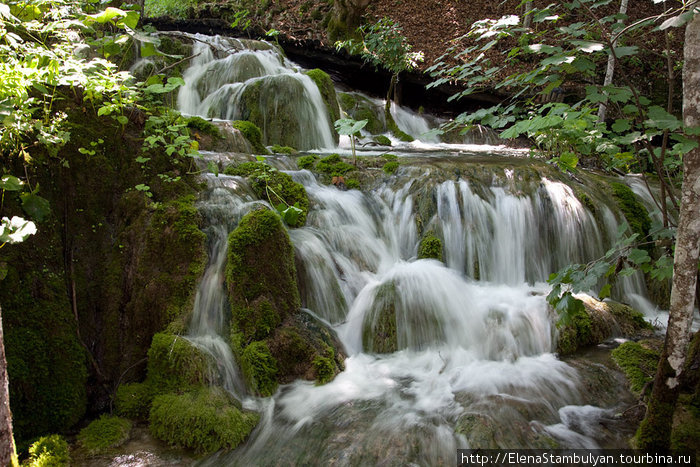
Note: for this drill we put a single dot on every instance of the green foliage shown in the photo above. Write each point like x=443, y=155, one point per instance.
x=383, y=44
x=353, y=184
x=106, y=432
x=333, y=166
x=133, y=400
x=638, y=362
x=430, y=247
x=307, y=162
x=49, y=451
x=390, y=167
x=174, y=8
x=260, y=368
x=252, y=133
x=174, y=364
x=288, y=197
x=206, y=420
x=277, y=149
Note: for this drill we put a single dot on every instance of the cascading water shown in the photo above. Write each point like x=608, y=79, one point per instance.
x=234, y=79
x=441, y=355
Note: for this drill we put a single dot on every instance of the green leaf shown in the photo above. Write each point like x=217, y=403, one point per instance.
x=605, y=292
x=35, y=206
x=10, y=183
x=638, y=256
x=621, y=124
x=122, y=120
x=659, y=118
x=142, y=187
x=626, y=51
x=15, y=230
x=109, y=14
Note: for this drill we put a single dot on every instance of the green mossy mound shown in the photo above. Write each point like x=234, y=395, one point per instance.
x=359, y=107
x=260, y=275
x=325, y=86
x=333, y=166
x=379, y=332
x=307, y=162
x=206, y=420
x=260, y=368
x=390, y=167
x=48, y=451
x=638, y=360
x=252, y=133
x=133, y=400
x=104, y=433
x=175, y=365
x=270, y=185
x=598, y=321
x=382, y=140
x=46, y=363
x=430, y=247
x=277, y=149
x=634, y=211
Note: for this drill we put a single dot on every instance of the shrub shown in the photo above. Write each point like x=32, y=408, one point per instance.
x=49, y=451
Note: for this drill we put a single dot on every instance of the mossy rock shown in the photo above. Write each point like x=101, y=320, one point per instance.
x=307, y=162
x=104, y=433
x=390, y=167
x=133, y=400
x=634, y=211
x=252, y=133
x=347, y=101
x=382, y=140
x=379, y=333
x=638, y=360
x=599, y=320
x=262, y=177
x=333, y=166
x=430, y=247
x=305, y=348
x=325, y=86
x=203, y=126
x=206, y=420
x=277, y=149
x=260, y=274
x=174, y=364
x=259, y=368
x=685, y=435
x=48, y=451
x=396, y=131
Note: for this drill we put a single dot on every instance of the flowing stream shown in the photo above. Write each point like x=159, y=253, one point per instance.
x=473, y=364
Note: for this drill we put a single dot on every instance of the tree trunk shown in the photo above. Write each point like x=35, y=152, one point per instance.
x=7, y=443
x=610, y=71
x=346, y=17
x=655, y=431
x=527, y=17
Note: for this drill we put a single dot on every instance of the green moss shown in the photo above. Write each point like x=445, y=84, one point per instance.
x=576, y=333
x=205, y=421
x=685, y=436
x=175, y=365
x=390, y=167
x=277, y=149
x=383, y=140
x=260, y=271
x=325, y=86
x=259, y=368
x=333, y=166
x=252, y=133
x=374, y=123
x=639, y=363
x=379, y=332
x=635, y=213
x=203, y=126
x=270, y=185
x=133, y=400
x=307, y=162
x=325, y=369
x=352, y=184
x=389, y=157
x=49, y=451
x=430, y=247
x=395, y=130
x=347, y=101
x=628, y=317
x=46, y=363
x=104, y=433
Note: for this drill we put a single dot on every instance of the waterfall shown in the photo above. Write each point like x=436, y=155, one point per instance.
x=234, y=79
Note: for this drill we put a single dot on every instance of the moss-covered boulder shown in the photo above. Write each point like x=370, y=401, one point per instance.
x=206, y=420
x=174, y=364
x=638, y=360
x=430, y=247
x=260, y=275
x=273, y=186
x=379, y=332
x=104, y=433
x=133, y=400
x=359, y=107
x=598, y=321
x=252, y=133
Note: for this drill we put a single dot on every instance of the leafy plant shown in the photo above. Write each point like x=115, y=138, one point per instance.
x=350, y=127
